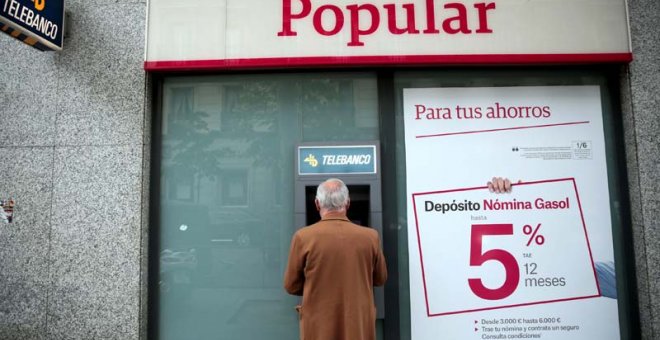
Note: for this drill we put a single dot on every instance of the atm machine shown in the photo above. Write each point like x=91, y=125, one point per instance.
x=358, y=165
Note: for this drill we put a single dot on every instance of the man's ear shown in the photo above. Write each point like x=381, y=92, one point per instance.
x=348, y=204
x=316, y=203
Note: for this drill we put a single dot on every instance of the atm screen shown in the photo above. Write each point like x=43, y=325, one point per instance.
x=358, y=212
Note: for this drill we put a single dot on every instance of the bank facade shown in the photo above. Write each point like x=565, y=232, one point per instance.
x=161, y=161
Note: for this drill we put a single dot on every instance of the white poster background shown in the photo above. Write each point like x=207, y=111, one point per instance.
x=453, y=153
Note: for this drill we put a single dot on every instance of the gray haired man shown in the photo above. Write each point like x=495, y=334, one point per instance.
x=334, y=265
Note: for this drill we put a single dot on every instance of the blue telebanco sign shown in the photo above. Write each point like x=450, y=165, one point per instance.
x=38, y=23
x=337, y=160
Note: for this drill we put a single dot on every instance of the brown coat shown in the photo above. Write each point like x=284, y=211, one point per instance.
x=334, y=265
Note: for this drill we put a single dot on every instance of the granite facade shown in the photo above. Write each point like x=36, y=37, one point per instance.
x=641, y=98
x=26, y=112
x=72, y=153
x=24, y=244
x=75, y=134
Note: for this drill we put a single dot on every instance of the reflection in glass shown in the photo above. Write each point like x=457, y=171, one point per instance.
x=226, y=194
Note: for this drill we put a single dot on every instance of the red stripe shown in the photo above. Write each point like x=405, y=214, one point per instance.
x=586, y=236
x=486, y=187
x=421, y=257
x=516, y=305
x=403, y=60
x=502, y=129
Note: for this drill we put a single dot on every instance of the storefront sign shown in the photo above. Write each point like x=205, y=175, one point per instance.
x=206, y=34
x=337, y=160
x=38, y=23
x=369, y=15
x=534, y=263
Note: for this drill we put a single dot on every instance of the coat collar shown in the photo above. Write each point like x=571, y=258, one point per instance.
x=333, y=216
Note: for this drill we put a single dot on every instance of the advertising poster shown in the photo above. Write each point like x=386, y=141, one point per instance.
x=536, y=263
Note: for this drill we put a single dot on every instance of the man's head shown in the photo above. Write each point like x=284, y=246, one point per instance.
x=332, y=196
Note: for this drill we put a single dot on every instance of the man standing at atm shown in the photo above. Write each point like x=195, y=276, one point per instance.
x=334, y=264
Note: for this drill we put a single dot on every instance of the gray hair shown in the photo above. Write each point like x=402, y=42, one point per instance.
x=332, y=194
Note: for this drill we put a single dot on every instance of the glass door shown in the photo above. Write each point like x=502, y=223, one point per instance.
x=226, y=194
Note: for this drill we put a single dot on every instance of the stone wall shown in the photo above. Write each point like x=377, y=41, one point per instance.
x=640, y=87
x=72, y=153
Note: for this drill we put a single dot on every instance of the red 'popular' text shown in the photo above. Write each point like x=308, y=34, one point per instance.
x=365, y=19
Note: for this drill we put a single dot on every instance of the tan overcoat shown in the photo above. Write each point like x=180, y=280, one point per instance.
x=334, y=265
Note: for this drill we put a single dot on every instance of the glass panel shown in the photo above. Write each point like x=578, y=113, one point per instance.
x=227, y=192
x=495, y=78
